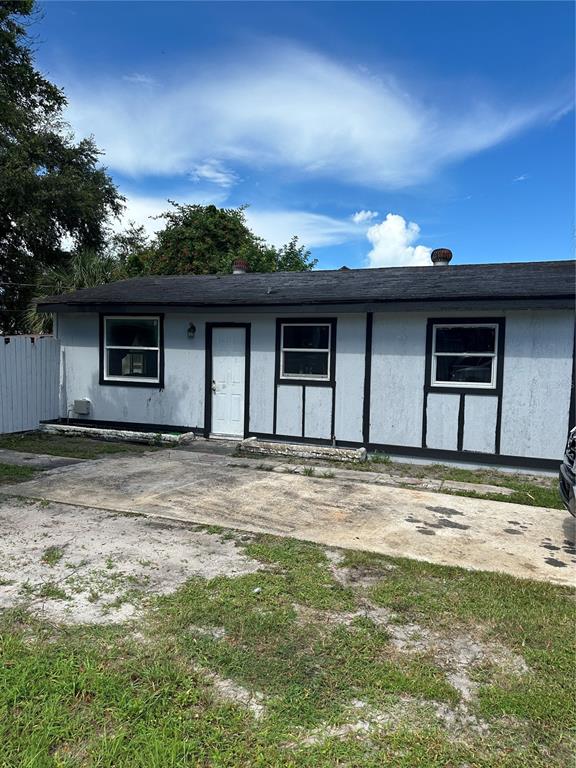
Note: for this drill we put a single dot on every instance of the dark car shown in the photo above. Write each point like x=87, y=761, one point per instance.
x=568, y=474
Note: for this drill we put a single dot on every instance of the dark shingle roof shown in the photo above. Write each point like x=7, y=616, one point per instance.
x=541, y=279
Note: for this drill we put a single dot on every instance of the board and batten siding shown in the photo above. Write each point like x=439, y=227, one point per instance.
x=537, y=379
x=529, y=418
x=397, y=379
x=29, y=381
x=350, y=369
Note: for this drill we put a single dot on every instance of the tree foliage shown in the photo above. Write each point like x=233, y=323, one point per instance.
x=52, y=189
x=85, y=268
x=204, y=239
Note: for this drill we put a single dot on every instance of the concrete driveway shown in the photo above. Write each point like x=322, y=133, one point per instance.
x=204, y=488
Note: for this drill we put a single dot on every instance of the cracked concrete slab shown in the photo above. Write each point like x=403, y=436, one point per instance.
x=208, y=489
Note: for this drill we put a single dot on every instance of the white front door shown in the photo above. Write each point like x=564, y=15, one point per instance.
x=228, y=374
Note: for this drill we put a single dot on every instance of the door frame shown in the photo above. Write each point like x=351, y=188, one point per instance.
x=208, y=375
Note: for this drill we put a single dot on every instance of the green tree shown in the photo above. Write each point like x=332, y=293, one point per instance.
x=85, y=268
x=52, y=189
x=204, y=239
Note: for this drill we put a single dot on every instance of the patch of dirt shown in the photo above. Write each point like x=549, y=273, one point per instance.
x=334, y=556
x=233, y=692
x=328, y=619
x=404, y=711
x=216, y=633
x=111, y=564
x=356, y=575
x=457, y=654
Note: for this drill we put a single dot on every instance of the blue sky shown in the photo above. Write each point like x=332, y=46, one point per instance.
x=374, y=131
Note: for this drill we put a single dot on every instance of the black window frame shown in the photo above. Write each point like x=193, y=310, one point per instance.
x=329, y=381
x=130, y=382
x=495, y=387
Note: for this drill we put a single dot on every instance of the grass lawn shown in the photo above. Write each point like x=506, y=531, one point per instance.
x=12, y=474
x=532, y=490
x=539, y=491
x=61, y=445
x=314, y=661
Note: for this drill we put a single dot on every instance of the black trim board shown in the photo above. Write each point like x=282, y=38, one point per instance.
x=572, y=407
x=500, y=384
x=131, y=383
x=209, y=327
x=461, y=409
x=432, y=454
x=367, y=378
x=132, y=426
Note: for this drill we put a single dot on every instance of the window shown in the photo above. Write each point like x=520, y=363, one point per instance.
x=305, y=351
x=132, y=349
x=465, y=355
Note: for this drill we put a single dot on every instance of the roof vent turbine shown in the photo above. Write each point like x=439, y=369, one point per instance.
x=441, y=257
x=239, y=267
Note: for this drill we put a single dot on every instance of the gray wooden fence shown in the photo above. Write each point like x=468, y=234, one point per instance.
x=29, y=381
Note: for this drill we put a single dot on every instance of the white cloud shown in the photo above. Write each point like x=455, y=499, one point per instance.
x=283, y=107
x=522, y=177
x=314, y=230
x=139, y=79
x=214, y=172
x=393, y=244
x=362, y=217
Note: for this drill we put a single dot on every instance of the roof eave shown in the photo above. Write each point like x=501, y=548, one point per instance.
x=564, y=301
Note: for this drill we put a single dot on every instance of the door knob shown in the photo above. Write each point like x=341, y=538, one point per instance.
x=213, y=386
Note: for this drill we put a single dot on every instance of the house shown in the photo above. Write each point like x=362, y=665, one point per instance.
x=451, y=363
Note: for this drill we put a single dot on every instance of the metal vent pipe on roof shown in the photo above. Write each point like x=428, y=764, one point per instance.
x=441, y=257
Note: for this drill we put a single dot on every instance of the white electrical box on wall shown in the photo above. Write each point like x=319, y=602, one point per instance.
x=82, y=407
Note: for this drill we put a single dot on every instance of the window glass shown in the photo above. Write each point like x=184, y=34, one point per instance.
x=305, y=364
x=473, y=370
x=132, y=332
x=132, y=348
x=126, y=362
x=306, y=336
x=466, y=339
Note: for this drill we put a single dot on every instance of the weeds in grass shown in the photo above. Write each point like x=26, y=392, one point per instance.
x=13, y=474
x=67, y=445
x=308, y=471
x=378, y=458
x=52, y=555
x=47, y=590
x=89, y=696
